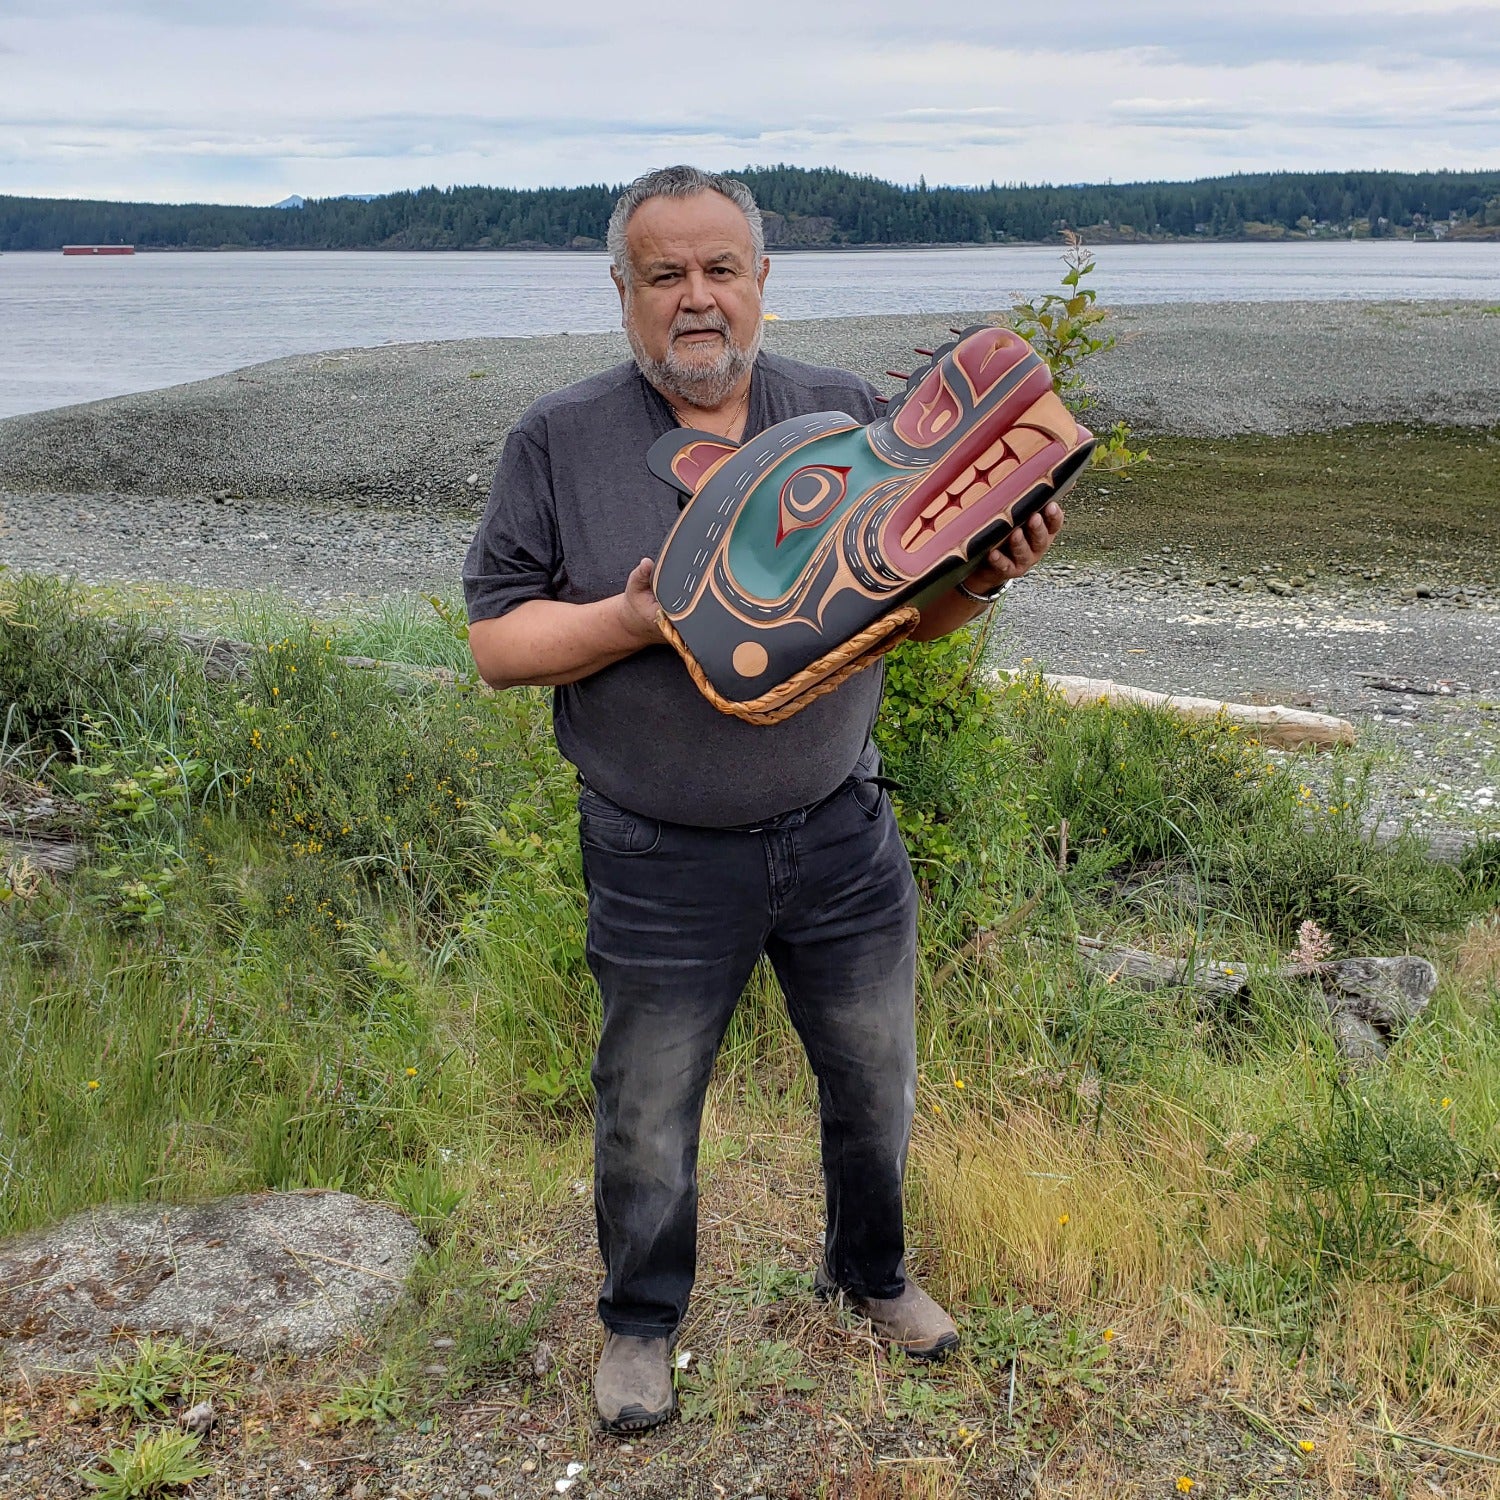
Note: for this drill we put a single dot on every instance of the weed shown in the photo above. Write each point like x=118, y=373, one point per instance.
x=156, y=1465
x=157, y=1374
x=378, y=1397
x=920, y=1401
x=1264, y=1300
x=16, y=1426
x=1349, y=1177
x=764, y=1282
x=732, y=1386
x=424, y=1195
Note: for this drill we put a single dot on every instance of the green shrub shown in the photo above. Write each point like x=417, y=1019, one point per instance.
x=350, y=776
x=60, y=665
x=1347, y=1177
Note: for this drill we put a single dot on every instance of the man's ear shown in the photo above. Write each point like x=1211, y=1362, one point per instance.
x=621, y=288
x=765, y=270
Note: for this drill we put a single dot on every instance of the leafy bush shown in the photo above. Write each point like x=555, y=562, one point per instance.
x=352, y=777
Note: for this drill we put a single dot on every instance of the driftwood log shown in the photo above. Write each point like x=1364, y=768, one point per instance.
x=1285, y=728
x=226, y=660
x=38, y=830
x=1368, y=1001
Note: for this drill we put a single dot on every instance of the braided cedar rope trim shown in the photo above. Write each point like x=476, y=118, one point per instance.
x=822, y=676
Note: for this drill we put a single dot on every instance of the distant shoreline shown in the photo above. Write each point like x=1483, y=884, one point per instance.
x=1137, y=242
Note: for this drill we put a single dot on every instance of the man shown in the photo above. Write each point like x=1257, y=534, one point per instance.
x=707, y=841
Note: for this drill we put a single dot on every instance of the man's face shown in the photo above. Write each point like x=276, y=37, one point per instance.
x=691, y=306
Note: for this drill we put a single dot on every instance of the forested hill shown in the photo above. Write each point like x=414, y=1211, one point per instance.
x=804, y=208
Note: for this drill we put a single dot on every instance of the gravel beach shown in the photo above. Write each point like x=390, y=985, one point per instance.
x=418, y=426
x=338, y=478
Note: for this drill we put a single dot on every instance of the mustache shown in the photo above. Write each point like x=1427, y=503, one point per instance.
x=706, y=323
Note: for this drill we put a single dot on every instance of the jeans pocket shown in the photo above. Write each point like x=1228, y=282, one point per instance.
x=610, y=828
x=869, y=795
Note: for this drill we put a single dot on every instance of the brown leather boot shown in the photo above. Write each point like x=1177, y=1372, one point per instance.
x=633, y=1384
x=913, y=1322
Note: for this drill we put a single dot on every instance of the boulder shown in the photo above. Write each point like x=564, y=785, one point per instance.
x=257, y=1274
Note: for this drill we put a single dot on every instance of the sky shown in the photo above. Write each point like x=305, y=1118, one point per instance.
x=184, y=100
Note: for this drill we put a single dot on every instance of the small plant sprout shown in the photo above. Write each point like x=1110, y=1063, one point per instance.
x=377, y=1398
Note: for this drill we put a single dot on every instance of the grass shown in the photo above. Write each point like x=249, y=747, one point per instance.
x=331, y=935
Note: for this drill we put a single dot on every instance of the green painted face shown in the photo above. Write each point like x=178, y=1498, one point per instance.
x=811, y=501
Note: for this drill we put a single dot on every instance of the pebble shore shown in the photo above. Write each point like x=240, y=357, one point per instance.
x=419, y=426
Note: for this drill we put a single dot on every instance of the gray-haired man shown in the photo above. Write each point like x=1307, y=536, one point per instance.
x=707, y=841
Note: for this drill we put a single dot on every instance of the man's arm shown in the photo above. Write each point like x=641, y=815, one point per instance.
x=546, y=643
x=1016, y=556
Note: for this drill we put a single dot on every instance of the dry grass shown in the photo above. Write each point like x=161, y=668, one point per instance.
x=1061, y=1212
x=1477, y=962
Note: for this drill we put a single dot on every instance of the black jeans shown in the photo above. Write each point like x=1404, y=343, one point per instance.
x=677, y=918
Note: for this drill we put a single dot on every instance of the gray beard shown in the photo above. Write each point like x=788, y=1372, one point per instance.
x=704, y=386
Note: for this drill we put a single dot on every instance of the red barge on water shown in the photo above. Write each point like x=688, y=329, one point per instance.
x=98, y=249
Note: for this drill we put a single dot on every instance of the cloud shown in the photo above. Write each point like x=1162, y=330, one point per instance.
x=1196, y=114
x=187, y=98
x=1362, y=115
x=1228, y=36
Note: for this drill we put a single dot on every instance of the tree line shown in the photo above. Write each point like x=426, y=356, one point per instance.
x=804, y=207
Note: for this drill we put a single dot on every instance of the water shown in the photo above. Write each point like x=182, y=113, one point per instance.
x=78, y=328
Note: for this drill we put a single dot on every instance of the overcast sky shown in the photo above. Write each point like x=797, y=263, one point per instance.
x=246, y=103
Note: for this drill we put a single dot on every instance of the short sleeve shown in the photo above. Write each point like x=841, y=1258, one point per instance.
x=515, y=556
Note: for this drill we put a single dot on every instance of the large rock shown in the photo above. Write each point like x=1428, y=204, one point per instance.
x=264, y=1273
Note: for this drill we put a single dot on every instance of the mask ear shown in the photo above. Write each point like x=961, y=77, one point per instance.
x=685, y=458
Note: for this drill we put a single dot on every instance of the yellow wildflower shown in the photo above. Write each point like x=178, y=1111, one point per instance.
x=958, y=1083
x=1062, y=1219
x=93, y=1083
x=1447, y=1104
x=411, y=1072
x=1109, y=1334
x=1307, y=1445
x=1184, y=1484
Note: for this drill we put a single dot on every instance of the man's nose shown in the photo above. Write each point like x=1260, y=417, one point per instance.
x=697, y=292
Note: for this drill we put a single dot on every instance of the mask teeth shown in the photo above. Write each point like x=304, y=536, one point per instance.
x=899, y=374
x=925, y=352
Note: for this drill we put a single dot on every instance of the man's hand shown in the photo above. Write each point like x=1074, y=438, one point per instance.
x=548, y=644
x=638, y=606
x=1016, y=556
x=1019, y=553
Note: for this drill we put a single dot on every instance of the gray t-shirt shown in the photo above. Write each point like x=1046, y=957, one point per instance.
x=572, y=510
